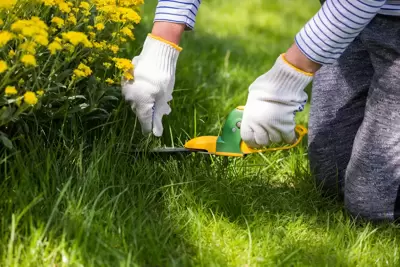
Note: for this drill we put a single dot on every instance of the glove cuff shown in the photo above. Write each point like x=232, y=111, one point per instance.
x=177, y=47
x=283, y=79
x=285, y=75
x=161, y=53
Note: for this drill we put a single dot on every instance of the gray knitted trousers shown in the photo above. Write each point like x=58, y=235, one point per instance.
x=354, y=126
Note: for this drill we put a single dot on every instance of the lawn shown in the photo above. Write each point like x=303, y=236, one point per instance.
x=83, y=198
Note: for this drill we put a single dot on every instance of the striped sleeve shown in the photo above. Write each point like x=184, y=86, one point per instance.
x=392, y=8
x=325, y=36
x=178, y=11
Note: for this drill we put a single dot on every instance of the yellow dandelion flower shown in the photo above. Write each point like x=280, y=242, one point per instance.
x=29, y=47
x=58, y=21
x=48, y=2
x=99, y=26
x=107, y=65
x=114, y=49
x=84, y=5
x=64, y=7
x=75, y=9
x=128, y=75
x=79, y=73
x=54, y=47
x=34, y=28
x=92, y=35
x=82, y=71
x=30, y=27
x=130, y=3
x=72, y=19
x=7, y=4
x=123, y=64
x=39, y=23
x=122, y=39
x=11, y=53
x=109, y=81
x=40, y=39
x=30, y=98
x=120, y=14
x=76, y=38
x=126, y=31
x=99, y=18
x=100, y=46
x=3, y=66
x=10, y=90
x=28, y=32
x=90, y=27
x=5, y=37
x=87, y=70
x=28, y=60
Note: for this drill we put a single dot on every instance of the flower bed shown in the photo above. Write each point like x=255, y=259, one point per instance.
x=59, y=58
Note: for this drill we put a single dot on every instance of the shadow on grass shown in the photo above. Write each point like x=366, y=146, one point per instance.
x=103, y=206
x=197, y=192
x=241, y=189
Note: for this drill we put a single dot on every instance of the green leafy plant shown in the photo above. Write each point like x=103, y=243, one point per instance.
x=60, y=58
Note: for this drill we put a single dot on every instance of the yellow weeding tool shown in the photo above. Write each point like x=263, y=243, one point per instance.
x=229, y=143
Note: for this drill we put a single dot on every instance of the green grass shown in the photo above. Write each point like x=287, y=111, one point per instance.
x=82, y=199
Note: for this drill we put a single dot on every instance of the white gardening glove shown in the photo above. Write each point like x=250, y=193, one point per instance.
x=273, y=101
x=154, y=79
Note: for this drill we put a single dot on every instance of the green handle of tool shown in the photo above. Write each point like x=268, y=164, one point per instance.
x=230, y=140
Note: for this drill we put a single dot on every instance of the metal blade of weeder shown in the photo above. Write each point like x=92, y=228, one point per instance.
x=177, y=150
x=171, y=150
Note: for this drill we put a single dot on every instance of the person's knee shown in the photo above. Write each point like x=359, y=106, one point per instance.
x=362, y=208
x=366, y=195
x=358, y=209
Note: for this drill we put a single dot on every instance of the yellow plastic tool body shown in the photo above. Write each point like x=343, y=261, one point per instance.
x=230, y=144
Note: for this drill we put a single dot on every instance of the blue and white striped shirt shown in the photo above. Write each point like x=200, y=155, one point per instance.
x=324, y=37
x=178, y=11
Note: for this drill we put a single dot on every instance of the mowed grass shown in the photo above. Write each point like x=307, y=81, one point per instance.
x=83, y=198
